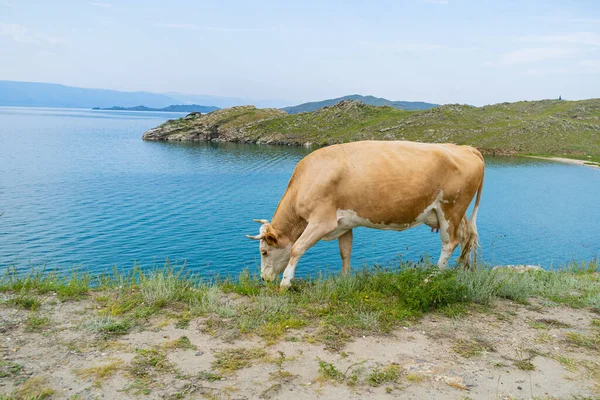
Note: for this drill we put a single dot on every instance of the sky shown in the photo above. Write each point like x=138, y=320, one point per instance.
x=441, y=51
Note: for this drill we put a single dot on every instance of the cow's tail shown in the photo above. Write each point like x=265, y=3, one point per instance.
x=469, y=238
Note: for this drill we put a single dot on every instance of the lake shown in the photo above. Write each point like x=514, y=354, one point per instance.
x=80, y=189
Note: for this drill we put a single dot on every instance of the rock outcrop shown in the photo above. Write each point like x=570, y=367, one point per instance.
x=227, y=125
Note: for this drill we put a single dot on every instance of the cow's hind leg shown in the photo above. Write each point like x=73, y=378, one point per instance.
x=450, y=239
x=345, y=242
x=315, y=230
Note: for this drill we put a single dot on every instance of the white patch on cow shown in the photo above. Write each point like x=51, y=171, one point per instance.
x=349, y=219
x=276, y=259
x=445, y=237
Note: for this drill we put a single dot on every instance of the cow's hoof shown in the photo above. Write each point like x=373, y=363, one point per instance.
x=285, y=285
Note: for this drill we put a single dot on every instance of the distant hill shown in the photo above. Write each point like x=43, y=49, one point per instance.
x=33, y=94
x=172, y=108
x=370, y=100
x=37, y=94
x=224, y=102
x=526, y=127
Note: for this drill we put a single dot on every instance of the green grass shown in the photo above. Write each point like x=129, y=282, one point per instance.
x=41, y=281
x=148, y=361
x=471, y=348
x=231, y=360
x=108, y=327
x=36, y=322
x=329, y=372
x=370, y=301
x=10, y=369
x=387, y=374
x=524, y=365
x=182, y=343
x=25, y=302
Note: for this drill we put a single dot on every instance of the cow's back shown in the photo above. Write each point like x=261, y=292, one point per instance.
x=389, y=182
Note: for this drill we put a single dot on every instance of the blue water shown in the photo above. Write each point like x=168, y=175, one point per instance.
x=80, y=189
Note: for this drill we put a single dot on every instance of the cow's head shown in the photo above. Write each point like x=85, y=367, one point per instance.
x=274, y=251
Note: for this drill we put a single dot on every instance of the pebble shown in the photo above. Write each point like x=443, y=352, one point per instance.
x=199, y=353
x=519, y=387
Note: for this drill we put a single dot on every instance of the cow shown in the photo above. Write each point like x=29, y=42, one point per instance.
x=391, y=185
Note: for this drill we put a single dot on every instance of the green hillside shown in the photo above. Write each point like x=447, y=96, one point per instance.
x=555, y=127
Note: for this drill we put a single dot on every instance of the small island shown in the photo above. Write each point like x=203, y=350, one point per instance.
x=187, y=108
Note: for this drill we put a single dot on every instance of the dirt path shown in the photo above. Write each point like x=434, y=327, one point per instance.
x=506, y=351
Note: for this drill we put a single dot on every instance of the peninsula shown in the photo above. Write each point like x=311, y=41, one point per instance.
x=546, y=127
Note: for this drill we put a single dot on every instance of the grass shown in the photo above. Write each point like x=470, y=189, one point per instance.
x=34, y=388
x=108, y=327
x=36, y=322
x=329, y=372
x=370, y=301
x=209, y=376
x=26, y=302
x=470, y=348
x=10, y=369
x=524, y=365
x=414, y=377
x=388, y=374
x=589, y=341
x=229, y=361
x=183, y=343
x=147, y=361
x=101, y=372
x=548, y=323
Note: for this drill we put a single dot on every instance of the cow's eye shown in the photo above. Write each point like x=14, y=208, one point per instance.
x=264, y=253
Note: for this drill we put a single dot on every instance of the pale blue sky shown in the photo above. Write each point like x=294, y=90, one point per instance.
x=443, y=51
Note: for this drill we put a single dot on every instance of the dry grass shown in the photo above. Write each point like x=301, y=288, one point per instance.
x=101, y=372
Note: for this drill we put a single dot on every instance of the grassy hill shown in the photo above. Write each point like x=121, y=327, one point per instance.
x=370, y=100
x=528, y=127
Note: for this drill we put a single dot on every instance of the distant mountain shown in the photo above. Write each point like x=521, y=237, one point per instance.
x=370, y=100
x=224, y=102
x=172, y=108
x=34, y=94
x=37, y=94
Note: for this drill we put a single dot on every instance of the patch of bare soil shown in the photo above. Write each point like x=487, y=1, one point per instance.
x=506, y=351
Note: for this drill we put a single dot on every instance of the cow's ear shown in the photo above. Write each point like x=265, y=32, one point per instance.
x=271, y=238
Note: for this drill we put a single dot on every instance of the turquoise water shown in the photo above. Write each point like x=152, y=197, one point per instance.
x=80, y=189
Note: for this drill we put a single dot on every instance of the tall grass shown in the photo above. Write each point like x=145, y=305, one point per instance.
x=370, y=300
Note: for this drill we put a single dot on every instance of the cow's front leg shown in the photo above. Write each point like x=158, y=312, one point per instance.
x=345, y=242
x=312, y=234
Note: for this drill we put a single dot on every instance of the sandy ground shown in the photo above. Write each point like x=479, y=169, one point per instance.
x=432, y=355
x=569, y=161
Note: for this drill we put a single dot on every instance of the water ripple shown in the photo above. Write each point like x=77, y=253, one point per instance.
x=81, y=189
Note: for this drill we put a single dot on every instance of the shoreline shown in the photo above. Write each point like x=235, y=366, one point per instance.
x=564, y=160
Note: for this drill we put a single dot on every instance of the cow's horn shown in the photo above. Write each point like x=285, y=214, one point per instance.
x=257, y=237
x=262, y=221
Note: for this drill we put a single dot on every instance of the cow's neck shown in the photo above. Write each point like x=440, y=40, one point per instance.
x=286, y=220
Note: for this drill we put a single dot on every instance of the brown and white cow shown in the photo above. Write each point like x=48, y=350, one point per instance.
x=376, y=184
